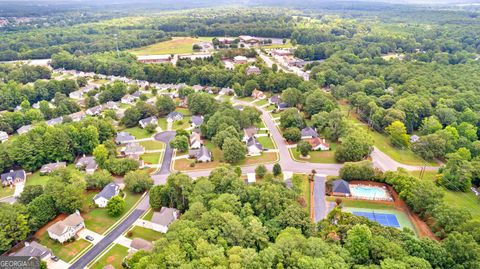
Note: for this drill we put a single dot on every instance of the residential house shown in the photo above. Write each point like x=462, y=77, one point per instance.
x=164, y=218
x=110, y=105
x=282, y=52
x=197, y=88
x=249, y=39
x=155, y=58
x=24, y=129
x=95, y=111
x=137, y=94
x=78, y=94
x=33, y=249
x=141, y=244
x=274, y=100
x=133, y=148
x=128, y=99
x=147, y=121
x=309, y=132
x=174, y=116
x=240, y=59
x=77, y=116
x=195, y=140
x=197, y=121
x=254, y=147
x=3, y=136
x=201, y=155
x=50, y=167
x=87, y=163
x=249, y=133
x=251, y=178
x=256, y=94
x=253, y=70
x=226, y=91
x=282, y=106
x=226, y=40
x=65, y=229
x=13, y=177
x=341, y=187
x=102, y=198
x=318, y=143
x=124, y=137
x=55, y=121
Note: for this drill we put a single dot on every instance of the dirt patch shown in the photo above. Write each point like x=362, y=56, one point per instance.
x=111, y=259
x=43, y=230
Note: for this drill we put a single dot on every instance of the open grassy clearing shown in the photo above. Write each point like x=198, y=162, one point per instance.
x=162, y=123
x=138, y=132
x=287, y=45
x=114, y=257
x=37, y=179
x=361, y=203
x=261, y=102
x=427, y=175
x=266, y=142
x=98, y=219
x=152, y=145
x=464, y=200
x=144, y=233
x=320, y=156
x=66, y=251
x=304, y=185
x=182, y=124
x=6, y=191
x=151, y=158
x=177, y=45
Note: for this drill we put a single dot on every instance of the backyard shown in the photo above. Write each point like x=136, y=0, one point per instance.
x=144, y=233
x=37, y=179
x=178, y=45
x=114, y=257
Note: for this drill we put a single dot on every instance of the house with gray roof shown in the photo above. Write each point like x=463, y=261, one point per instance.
x=124, y=137
x=128, y=99
x=249, y=133
x=164, y=218
x=226, y=91
x=55, y=121
x=147, y=121
x=65, y=229
x=201, y=154
x=282, y=106
x=174, y=116
x=3, y=136
x=274, y=99
x=33, y=249
x=87, y=163
x=133, y=148
x=197, y=121
x=252, y=70
x=95, y=111
x=254, y=148
x=12, y=177
x=102, y=198
x=341, y=187
x=24, y=129
x=50, y=167
x=110, y=105
x=77, y=116
x=309, y=132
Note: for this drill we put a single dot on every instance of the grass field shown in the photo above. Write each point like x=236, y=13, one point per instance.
x=98, y=219
x=151, y=158
x=303, y=184
x=427, y=175
x=261, y=102
x=114, y=257
x=6, y=191
x=144, y=233
x=182, y=124
x=246, y=99
x=178, y=45
x=152, y=145
x=66, y=251
x=464, y=200
x=279, y=46
x=138, y=132
x=361, y=203
x=37, y=179
x=327, y=156
x=266, y=142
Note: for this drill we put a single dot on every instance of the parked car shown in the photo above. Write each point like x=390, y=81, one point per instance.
x=89, y=238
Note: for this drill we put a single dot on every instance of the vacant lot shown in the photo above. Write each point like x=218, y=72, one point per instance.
x=114, y=257
x=177, y=45
x=144, y=233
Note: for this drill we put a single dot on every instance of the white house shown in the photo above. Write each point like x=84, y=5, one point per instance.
x=201, y=155
x=164, y=218
x=174, y=116
x=102, y=198
x=318, y=143
x=65, y=229
x=254, y=147
x=3, y=136
x=251, y=178
x=147, y=121
x=195, y=140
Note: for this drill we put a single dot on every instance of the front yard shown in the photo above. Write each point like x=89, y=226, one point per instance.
x=138, y=132
x=98, y=219
x=301, y=182
x=151, y=158
x=6, y=191
x=66, y=251
x=266, y=142
x=144, y=233
x=114, y=257
x=152, y=145
x=323, y=156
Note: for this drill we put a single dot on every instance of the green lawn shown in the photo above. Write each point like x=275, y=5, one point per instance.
x=151, y=158
x=144, y=233
x=98, y=219
x=303, y=184
x=361, y=203
x=177, y=45
x=326, y=156
x=6, y=191
x=184, y=111
x=149, y=215
x=266, y=142
x=138, y=132
x=464, y=200
x=37, y=179
x=152, y=145
x=261, y=102
x=270, y=107
x=279, y=46
x=114, y=257
x=182, y=124
x=66, y=251
x=162, y=122
x=427, y=175
x=260, y=124
x=246, y=99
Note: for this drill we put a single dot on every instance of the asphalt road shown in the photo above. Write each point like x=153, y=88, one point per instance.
x=320, y=206
x=166, y=137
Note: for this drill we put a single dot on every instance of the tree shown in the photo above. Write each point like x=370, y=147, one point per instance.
x=201, y=103
x=233, y=150
x=304, y=148
x=463, y=249
x=164, y=105
x=430, y=125
x=185, y=91
x=457, y=173
x=138, y=181
x=430, y=146
x=291, y=118
x=131, y=117
x=101, y=155
x=249, y=87
x=29, y=193
x=318, y=101
x=358, y=242
x=292, y=97
x=220, y=137
x=398, y=134
x=151, y=128
x=14, y=223
x=122, y=166
x=260, y=171
x=98, y=180
x=180, y=143
x=292, y=134
x=41, y=210
x=358, y=171
x=277, y=169
x=356, y=146
x=333, y=124
x=115, y=206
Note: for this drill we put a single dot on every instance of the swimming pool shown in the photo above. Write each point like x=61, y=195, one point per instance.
x=370, y=192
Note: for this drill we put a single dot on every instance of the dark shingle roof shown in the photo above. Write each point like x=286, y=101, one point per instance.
x=341, y=186
x=309, y=131
x=197, y=120
x=108, y=191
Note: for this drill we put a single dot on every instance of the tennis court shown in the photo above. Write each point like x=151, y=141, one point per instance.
x=382, y=218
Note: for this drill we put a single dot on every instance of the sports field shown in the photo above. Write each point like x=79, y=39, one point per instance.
x=177, y=45
x=390, y=217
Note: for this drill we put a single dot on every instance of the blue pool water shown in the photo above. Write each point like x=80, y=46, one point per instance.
x=369, y=192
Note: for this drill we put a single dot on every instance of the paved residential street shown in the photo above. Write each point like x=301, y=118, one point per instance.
x=320, y=204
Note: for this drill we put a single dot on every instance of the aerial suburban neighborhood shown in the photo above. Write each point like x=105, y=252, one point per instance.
x=140, y=134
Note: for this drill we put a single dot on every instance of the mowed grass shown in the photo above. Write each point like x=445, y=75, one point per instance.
x=266, y=142
x=301, y=182
x=181, y=124
x=464, y=200
x=177, y=45
x=138, y=132
x=114, y=257
x=66, y=251
x=360, y=203
x=152, y=145
x=320, y=156
x=149, y=215
x=37, y=179
x=151, y=158
x=144, y=233
x=98, y=219
x=6, y=191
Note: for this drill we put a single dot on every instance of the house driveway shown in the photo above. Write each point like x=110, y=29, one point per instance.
x=57, y=265
x=85, y=232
